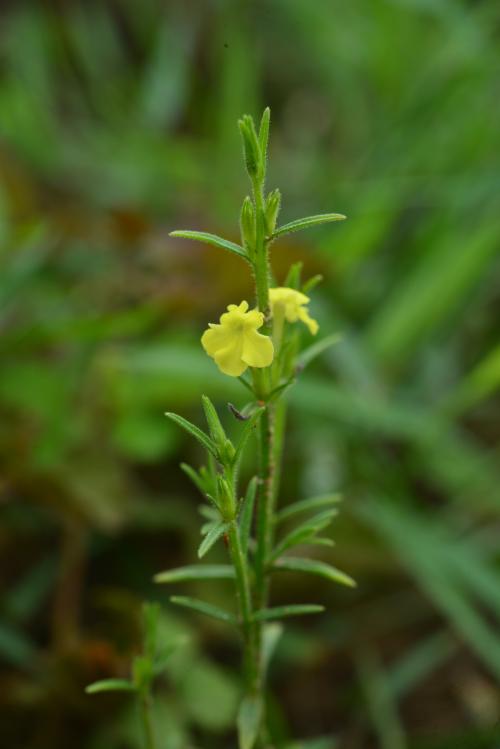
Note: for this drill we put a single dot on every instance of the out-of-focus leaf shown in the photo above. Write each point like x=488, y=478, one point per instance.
x=110, y=685
x=281, y=612
x=204, y=608
x=249, y=721
x=314, y=567
x=196, y=572
x=212, y=537
x=304, y=505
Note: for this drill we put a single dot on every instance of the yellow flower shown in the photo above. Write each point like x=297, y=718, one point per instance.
x=235, y=343
x=292, y=305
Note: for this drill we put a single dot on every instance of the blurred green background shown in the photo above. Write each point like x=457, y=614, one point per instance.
x=117, y=125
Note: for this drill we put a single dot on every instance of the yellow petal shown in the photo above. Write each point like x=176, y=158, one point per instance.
x=215, y=338
x=258, y=350
x=229, y=359
x=308, y=320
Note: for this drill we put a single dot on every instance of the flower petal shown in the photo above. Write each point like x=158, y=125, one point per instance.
x=308, y=320
x=215, y=338
x=258, y=350
x=229, y=359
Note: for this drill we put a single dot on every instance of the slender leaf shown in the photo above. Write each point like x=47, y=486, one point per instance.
x=195, y=477
x=195, y=432
x=196, y=572
x=247, y=431
x=212, y=239
x=280, y=612
x=314, y=567
x=110, y=685
x=264, y=133
x=214, y=425
x=307, y=223
x=270, y=637
x=316, y=349
x=204, y=608
x=304, y=532
x=246, y=514
x=212, y=536
x=304, y=505
x=249, y=720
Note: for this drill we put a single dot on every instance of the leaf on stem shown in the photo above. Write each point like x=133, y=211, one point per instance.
x=304, y=532
x=204, y=608
x=196, y=572
x=195, y=432
x=246, y=514
x=110, y=685
x=304, y=505
x=247, y=431
x=249, y=720
x=316, y=349
x=306, y=223
x=215, y=427
x=270, y=636
x=314, y=567
x=195, y=477
x=212, y=239
x=212, y=536
x=280, y=612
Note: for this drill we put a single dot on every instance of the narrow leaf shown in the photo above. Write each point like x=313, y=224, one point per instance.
x=212, y=239
x=204, y=608
x=214, y=425
x=110, y=685
x=211, y=537
x=279, y=612
x=246, y=514
x=314, y=567
x=247, y=431
x=196, y=572
x=249, y=721
x=194, y=476
x=307, y=222
x=303, y=532
x=264, y=133
x=316, y=349
x=270, y=637
x=195, y=432
x=304, y=505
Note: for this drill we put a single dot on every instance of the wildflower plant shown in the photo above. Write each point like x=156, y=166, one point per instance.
x=262, y=347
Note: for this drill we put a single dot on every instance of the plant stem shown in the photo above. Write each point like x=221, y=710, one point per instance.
x=245, y=606
x=147, y=721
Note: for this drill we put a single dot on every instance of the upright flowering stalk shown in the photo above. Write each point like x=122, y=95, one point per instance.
x=263, y=348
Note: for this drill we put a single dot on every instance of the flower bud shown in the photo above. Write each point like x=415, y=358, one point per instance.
x=225, y=498
x=273, y=204
x=247, y=225
x=251, y=148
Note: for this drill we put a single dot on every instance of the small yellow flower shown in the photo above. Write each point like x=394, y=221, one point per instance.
x=234, y=344
x=292, y=305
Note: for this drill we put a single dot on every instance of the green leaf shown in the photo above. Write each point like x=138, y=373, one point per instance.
x=110, y=685
x=247, y=431
x=212, y=239
x=316, y=349
x=303, y=505
x=195, y=477
x=204, y=608
x=249, y=721
x=314, y=567
x=246, y=514
x=304, y=532
x=214, y=425
x=264, y=133
x=195, y=432
x=280, y=612
x=211, y=537
x=196, y=572
x=307, y=223
x=150, y=617
x=270, y=636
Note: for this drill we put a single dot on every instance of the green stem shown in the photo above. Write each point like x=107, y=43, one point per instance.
x=245, y=605
x=147, y=721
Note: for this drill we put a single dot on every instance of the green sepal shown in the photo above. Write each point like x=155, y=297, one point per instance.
x=195, y=432
x=280, y=612
x=206, y=238
x=272, y=209
x=292, y=280
x=307, y=223
x=251, y=147
x=314, y=567
x=311, y=283
x=110, y=685
x=204, y=608
x=264, y=136
x=247, y=225
x=196, y=572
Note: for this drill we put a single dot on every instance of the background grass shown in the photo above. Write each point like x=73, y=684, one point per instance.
x=118, y=124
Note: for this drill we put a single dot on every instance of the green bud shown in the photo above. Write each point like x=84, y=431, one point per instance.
x=251, y=148
x=216, y=429
x=273, y=205
x=227, y=452
x=225, y=502
x=264, y=133
x=247, y=225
